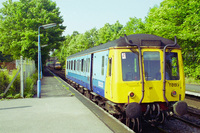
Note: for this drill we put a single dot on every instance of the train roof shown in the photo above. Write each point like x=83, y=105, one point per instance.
x=140, y=39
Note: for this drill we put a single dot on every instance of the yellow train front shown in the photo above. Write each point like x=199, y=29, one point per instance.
x=57, y=66
x=144, y=78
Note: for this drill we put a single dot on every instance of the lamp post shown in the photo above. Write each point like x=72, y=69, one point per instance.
x=46, y=26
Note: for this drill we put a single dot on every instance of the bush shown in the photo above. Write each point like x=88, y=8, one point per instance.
x=15, y=87
x=14, y=90
x=4, y=81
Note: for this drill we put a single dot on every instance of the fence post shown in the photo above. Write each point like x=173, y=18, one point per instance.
x=21, y=78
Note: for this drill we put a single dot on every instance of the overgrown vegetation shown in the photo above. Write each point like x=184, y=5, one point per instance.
x=14, y=91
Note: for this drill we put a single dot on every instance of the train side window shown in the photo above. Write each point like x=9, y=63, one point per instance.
x=74, y=65
x=78, y=65
x=102, y=66
x=110, y=66
x=67, y=64
x=84, y=66
x=82, y=61
x=87, y=64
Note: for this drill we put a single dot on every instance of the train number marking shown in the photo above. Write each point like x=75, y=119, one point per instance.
x=173, y=85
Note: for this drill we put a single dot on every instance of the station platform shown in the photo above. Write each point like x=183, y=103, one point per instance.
x=58, y=110
x=193, y=90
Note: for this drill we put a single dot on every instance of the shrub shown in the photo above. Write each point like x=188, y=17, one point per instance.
x=4, y=81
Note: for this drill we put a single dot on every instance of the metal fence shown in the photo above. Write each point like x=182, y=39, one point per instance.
x=26, y=69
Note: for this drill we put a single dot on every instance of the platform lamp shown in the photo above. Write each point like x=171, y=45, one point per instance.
x=46, y=26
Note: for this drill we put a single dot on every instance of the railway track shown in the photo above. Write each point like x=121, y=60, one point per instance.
x=188, y=119
x=191, y=118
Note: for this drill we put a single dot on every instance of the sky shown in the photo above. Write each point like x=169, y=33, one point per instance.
x=83, y=15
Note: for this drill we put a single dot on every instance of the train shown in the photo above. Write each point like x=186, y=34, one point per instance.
x=58, y=66
x=135, y=78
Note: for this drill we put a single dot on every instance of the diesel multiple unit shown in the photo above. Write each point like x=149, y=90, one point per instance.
x=139, y=77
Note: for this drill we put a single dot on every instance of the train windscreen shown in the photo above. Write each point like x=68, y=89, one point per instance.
x=130, y=66
x=171, y=65
x=152, y=65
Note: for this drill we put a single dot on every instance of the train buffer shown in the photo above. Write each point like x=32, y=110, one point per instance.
x=58, y=110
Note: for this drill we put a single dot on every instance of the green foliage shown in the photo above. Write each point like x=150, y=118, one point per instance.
x=4, y=81
x=4, y=58
x=14, y=91
x=19, y=22
x=179, y=18
x=15, y=87
x=172, y=18
x=30, y=82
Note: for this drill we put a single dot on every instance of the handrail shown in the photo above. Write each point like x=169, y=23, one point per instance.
x=140, y=64
x=164, y=71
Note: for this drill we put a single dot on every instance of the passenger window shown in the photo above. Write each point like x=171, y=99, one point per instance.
x=84, y=66
x=110, y=66
x=74, y=65
x=78, y=65
x=82, y=61
x=67, y=64
x=88, y=64
x=102, y=66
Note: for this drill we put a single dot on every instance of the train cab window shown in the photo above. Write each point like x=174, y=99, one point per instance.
x=130, y=66
x=152, y=65
x=102, y=66
x=171, y=66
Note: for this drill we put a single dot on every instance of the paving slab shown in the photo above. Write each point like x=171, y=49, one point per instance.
x=48, y=115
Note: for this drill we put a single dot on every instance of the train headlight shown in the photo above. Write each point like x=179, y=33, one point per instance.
x=173, y=93
x=132, y=95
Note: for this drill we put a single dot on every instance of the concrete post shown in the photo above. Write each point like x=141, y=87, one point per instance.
x=21, y=78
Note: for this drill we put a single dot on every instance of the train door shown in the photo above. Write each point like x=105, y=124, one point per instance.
x=109, y=92
x=152, y=73
x=91, y=71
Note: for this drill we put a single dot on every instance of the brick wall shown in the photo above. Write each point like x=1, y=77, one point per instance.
x=8, y=65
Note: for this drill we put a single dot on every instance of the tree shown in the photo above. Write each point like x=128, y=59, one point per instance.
x=179, y=18
x=133, y=26
x=108, y=33
x=19, y=22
